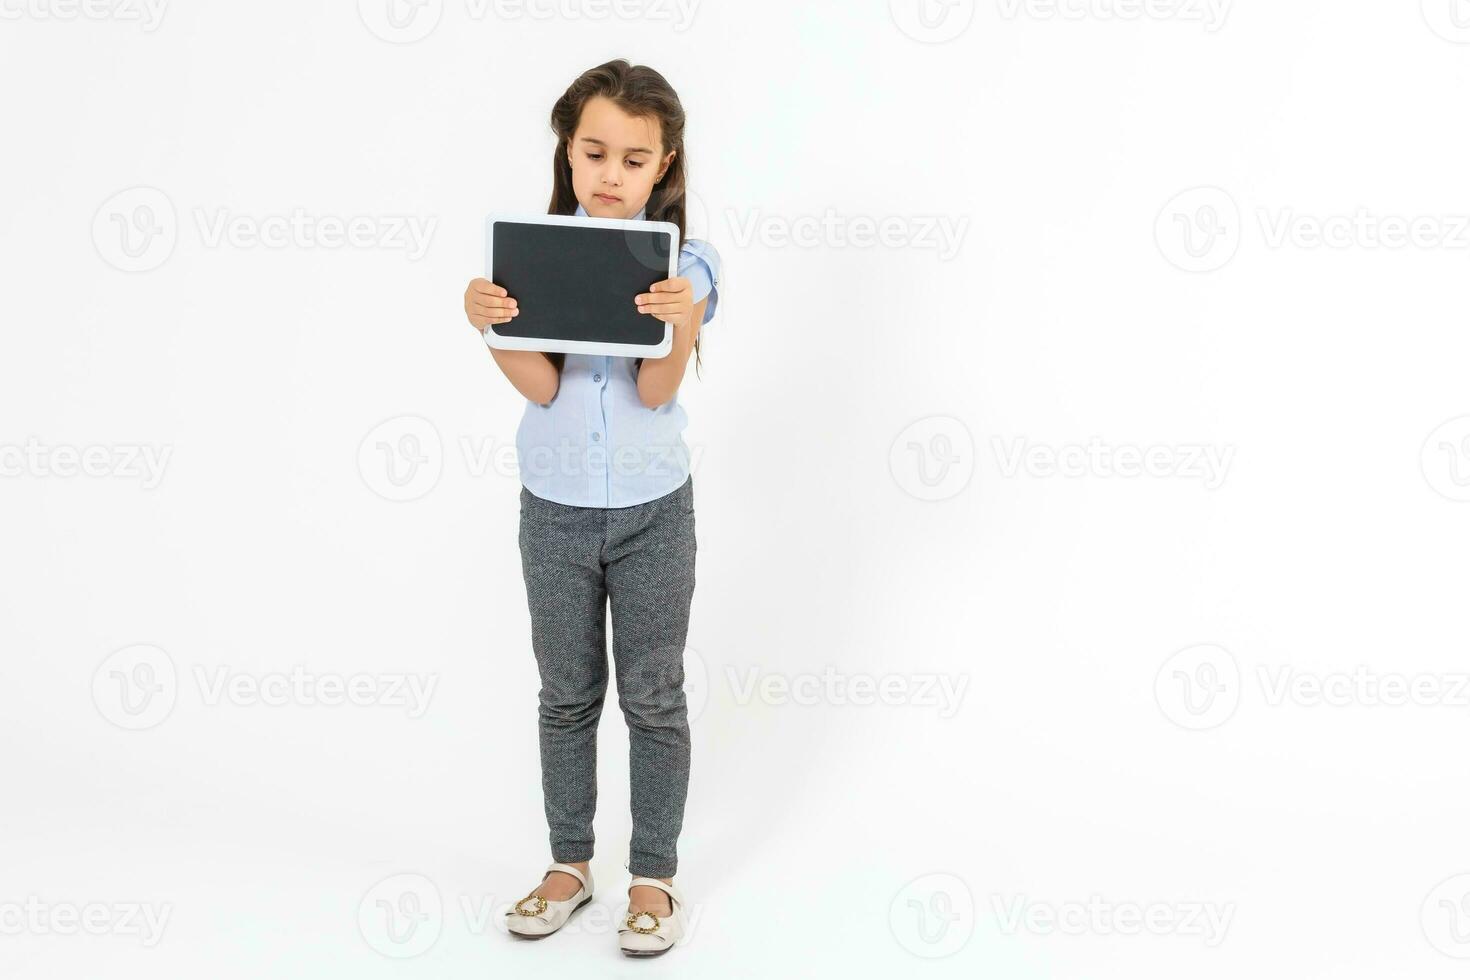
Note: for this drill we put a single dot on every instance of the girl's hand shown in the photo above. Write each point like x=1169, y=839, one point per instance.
x=671, y=300
x=486, y=303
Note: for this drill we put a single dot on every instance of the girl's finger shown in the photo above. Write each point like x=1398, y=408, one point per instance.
x=664, y=308
x=659, y=297
x=487, y=287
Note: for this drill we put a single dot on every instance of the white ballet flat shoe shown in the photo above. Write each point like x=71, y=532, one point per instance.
x=534, y=917
x=647, y=934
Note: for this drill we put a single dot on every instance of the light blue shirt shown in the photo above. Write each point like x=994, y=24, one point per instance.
x=596, y=444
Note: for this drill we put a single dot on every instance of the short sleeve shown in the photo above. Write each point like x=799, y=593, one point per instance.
x=700, y=264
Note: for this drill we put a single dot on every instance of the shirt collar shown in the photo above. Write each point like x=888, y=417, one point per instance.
x=642, y=212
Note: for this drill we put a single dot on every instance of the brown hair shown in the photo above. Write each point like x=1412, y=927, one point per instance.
x=639, y=91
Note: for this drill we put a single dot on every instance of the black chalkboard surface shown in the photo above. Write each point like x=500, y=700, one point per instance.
x=574, y=279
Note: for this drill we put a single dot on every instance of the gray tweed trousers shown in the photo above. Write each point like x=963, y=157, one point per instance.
x=640, y=559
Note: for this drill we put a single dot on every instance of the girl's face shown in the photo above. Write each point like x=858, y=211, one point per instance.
x=615, y=161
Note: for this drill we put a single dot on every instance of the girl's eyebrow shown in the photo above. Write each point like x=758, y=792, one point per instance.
x=631, y=149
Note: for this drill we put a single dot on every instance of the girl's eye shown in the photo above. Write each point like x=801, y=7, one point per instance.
x=598, y=156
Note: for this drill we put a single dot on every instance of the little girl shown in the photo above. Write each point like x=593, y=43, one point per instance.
x=607, y=514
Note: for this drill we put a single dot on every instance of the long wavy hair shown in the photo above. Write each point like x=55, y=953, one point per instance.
x=639, y=91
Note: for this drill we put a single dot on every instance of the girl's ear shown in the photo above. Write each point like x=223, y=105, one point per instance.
x=665, y=168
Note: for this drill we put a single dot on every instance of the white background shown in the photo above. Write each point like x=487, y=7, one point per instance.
x=1121, y=746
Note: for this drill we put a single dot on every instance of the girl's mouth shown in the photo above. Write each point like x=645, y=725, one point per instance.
x=606, y=199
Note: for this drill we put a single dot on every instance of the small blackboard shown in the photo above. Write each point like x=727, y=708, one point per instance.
x=574, y=279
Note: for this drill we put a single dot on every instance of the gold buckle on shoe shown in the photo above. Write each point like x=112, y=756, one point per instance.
x=540, y=906
x=633, y=918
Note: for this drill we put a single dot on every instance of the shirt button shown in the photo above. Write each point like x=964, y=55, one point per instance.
x=597, y=377
x=597, y=437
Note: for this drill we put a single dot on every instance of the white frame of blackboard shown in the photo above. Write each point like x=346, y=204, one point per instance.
x=553, y=345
